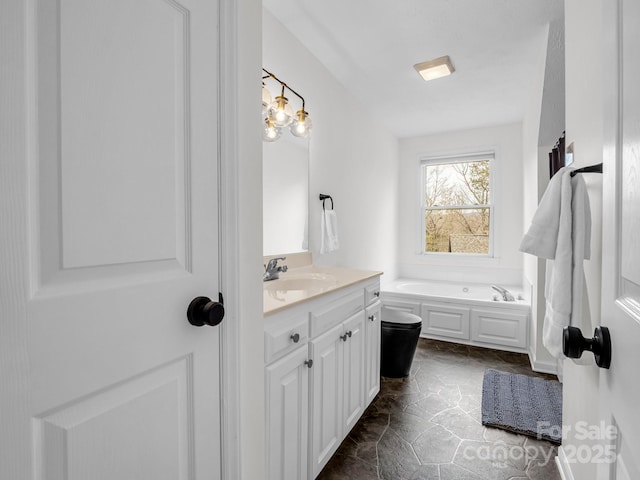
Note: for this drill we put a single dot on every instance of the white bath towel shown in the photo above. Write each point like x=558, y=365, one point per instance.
x=329, y=232
x=561, y=232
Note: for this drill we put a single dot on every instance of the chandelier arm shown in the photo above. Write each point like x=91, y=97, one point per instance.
x=284, y=85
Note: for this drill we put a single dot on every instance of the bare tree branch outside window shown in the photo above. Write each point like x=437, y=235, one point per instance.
x=457, y=206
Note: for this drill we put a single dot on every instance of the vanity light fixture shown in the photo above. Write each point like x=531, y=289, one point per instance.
x=279, y=113
x=270, y=132
x=436, y=68
x=266, y=99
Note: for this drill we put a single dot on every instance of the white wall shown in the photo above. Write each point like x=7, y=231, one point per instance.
x=249, y=231
x=584, y=111
x=536, y=173
x=352, y=158
x=506, y=265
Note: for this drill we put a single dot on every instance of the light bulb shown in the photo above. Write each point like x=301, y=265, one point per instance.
x=301, y=126
x=281, y=112
x=270, y=132
x=266, y=99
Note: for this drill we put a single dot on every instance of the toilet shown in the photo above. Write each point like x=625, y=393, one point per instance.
x=400, y=333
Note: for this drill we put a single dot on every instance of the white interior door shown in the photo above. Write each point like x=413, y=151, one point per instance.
x=619, y=386
x=117, y=194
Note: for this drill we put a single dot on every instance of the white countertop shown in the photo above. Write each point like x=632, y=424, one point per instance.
x=305, y=283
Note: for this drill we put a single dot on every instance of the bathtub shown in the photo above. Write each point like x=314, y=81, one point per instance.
x=468, y=313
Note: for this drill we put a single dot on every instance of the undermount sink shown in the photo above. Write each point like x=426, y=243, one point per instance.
x=302, y=281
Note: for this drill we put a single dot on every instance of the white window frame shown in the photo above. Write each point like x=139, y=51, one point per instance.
x=450, y=159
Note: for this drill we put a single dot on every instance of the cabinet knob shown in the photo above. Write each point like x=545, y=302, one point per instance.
x=295, y=337
x=344, y=337
x=372, y=317
x=309, y=363
x=349, y=333
x=376, y=294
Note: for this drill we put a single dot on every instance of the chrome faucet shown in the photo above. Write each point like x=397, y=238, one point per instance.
x=506, y=294
x=272, y=270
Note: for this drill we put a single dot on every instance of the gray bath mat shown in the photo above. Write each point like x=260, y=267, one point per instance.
x=522, y=404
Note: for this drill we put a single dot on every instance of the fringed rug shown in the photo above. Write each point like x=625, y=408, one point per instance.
x=522, y=404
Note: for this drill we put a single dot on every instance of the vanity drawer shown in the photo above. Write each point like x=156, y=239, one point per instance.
x=285, y=335
x=371, y=292
x=335, y=312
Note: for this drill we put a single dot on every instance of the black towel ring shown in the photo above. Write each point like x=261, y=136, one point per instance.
x=323, y=197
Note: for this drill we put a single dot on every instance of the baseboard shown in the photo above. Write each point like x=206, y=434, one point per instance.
x=542, y=367
x=563, y=465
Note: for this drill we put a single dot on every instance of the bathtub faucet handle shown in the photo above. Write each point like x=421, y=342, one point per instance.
x=507, y=296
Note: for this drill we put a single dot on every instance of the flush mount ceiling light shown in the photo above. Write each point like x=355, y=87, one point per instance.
x=439, y=67
x=278, y=113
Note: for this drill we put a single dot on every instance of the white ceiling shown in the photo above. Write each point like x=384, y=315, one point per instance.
x=370, y=46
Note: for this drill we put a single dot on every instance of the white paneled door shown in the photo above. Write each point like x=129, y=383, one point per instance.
x=619, y=387
x=110, y=229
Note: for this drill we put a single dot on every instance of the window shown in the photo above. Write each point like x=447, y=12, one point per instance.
x=457, y=206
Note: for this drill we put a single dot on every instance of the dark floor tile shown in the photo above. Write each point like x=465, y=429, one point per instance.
x=491, y=460
x=368, y=452
x=396, y=386
x=460, y=423
x=408, y=427
x=370, y=428
x=426, y=472
x=430, y=406
x=455, y=472
x=497, y=435
x=348, y=468
x=436, y=445
x=427, y=426
x=470, y=402
x=397, y=460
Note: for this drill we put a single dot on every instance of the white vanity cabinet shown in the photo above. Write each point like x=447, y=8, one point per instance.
x=337, y=387
x=373, y=332
x=287, y=390
x=319, y=385
x=287, y=394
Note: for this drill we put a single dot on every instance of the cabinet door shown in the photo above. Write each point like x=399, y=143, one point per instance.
x=326, y=397
x=372, y=352
x=354, y=370
x=287, y=384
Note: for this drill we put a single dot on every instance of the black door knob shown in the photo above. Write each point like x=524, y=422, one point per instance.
x=573, y=344
x=204, y=311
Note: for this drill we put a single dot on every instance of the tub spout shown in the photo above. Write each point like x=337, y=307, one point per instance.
x=507, y=296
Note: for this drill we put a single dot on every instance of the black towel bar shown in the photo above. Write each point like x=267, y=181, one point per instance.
x=590, y=169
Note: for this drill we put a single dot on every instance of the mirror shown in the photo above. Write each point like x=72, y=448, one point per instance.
x=285, y=195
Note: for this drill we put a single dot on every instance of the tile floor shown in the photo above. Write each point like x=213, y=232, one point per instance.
x=427, y=426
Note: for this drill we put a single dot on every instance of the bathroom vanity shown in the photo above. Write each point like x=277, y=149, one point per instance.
x=322, y=364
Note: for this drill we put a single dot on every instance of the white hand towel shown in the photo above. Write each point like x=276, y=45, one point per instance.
x=329, y=232
x=561, y=232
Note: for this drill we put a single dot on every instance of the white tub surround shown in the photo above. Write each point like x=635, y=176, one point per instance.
x=468, y=313
x=322, y=364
